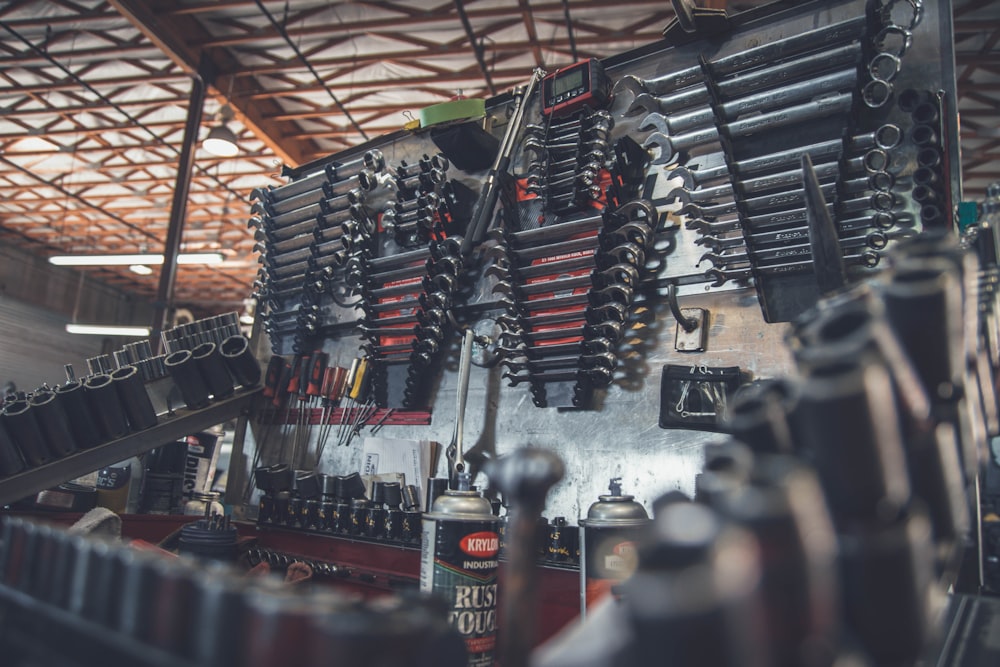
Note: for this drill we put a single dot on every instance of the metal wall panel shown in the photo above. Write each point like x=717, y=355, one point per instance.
x=34, y=346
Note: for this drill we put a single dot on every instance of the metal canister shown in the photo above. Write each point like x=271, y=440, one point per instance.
x=458, y=563
x=607, y=543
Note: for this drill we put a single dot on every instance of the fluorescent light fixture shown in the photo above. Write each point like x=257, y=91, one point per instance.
x=129, y=260
x=141, y=269
x=104, y=330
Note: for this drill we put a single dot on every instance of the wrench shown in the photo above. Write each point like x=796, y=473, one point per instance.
x=772, y=181
x=869, y=258
x=597, y=376
x=550, y=268
x=878, y=239
x=763, y=101
x=777, y=50
x=602, y=313
x=883, y=139
x=669, y=147
x=604, y=360
x=558, y=232
x=528, y=254
x=781, y=200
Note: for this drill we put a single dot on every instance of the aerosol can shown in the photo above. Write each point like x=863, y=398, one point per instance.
x=458, y=563
x=607, y=543
x=460, y=546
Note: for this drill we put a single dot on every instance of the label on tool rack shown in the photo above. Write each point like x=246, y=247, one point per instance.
x=458, y=563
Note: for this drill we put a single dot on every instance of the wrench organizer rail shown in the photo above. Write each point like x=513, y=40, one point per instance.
x=372, y=245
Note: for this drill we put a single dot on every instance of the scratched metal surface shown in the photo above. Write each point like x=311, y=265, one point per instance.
x=620, y=437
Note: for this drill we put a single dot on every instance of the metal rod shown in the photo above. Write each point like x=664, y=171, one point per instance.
x=178, y=211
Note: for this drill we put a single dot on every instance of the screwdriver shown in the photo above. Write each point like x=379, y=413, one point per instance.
x=313, y=391
x=347, y=410
x=272, y=377
x=333, y=390
x=291, y=389
x=357, y=395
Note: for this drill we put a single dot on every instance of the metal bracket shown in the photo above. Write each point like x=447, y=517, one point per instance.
x=695, y=338
x=692, y=22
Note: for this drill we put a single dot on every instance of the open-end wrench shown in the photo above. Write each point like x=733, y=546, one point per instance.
x=279, y=234
x=602, y=313
x=397, y=260
x=430, y=200
x=275, y=260
x=608, y=329
x=597, y=376
x=604, y=360
x=391, y=217
x=868, y=258
x=427, y=179
x=883, y=139
x=760, y=256
x=746, y=59
x=825, y=170
x=597, y=345
x=370, y=331
x=581, y=261
x=374, y=278
x=762, y=101
x=782, y=200
x=415, y=227
x=402, y=288
x=878, y=238
x=331, y=173
x=530, y=253
x=879, y=205
x=312, y=211
x=558, y=232
x=669, y=147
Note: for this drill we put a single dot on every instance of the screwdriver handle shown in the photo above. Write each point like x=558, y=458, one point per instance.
x=317, y=373
x=295, y=377
x=360, y=385
x=281, y=389
x=272, y=376
x=329, y=376
x=339, y=382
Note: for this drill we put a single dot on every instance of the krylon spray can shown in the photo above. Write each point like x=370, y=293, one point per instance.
x=608, y=543
x=458, y=563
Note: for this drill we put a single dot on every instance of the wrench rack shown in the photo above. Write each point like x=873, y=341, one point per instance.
x=863, y=87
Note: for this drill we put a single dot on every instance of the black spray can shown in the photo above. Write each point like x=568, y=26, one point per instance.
x=458, y=563
x=608, y=539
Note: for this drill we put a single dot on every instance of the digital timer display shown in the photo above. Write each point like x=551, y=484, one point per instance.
x=569, y=81
x=578, y=85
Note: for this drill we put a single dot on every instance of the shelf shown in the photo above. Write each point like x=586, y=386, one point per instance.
x=183, y=422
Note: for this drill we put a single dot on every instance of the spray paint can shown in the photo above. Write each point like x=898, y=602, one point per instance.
x=608, y=543
x=458, y=563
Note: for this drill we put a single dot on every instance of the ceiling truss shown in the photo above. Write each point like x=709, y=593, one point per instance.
x=94, y=96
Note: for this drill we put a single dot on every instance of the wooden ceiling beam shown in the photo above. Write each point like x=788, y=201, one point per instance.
x=651, y=34
x=411, y=19
x=170, y=39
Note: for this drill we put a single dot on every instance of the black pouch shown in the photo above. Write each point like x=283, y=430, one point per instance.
x=696, y=397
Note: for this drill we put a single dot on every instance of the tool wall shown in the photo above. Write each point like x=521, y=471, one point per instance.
x=651, y=237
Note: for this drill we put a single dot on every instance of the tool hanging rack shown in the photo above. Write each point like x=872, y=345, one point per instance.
x=711, y=129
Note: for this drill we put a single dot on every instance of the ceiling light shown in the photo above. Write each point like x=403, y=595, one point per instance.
x=129, y=260
x=105, y=330
x=221, y=141
x=141, y=269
